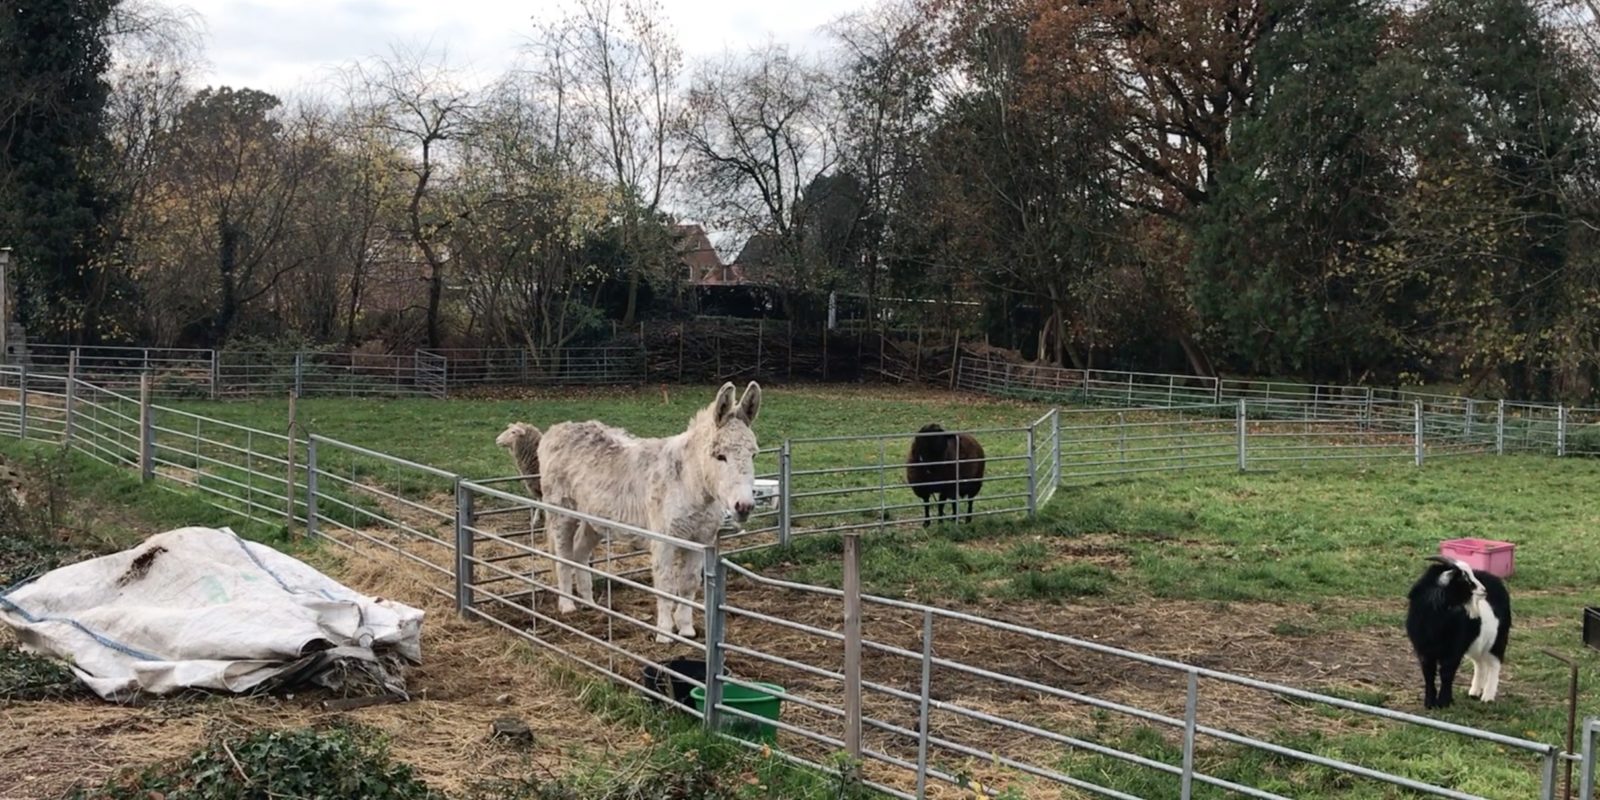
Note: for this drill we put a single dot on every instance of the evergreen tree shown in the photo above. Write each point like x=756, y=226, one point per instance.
x=1283, y=252
x=54, y=205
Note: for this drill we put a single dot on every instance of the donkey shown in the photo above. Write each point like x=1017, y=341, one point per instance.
x=680, y=486
x=522, y=440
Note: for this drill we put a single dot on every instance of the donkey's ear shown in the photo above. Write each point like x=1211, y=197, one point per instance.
x=723, y=406
x=750, y=404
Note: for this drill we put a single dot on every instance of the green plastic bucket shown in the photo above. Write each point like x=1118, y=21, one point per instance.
x=758, y=699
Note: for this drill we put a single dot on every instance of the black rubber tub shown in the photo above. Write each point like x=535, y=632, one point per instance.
x=1591, y=626
x=659, y=678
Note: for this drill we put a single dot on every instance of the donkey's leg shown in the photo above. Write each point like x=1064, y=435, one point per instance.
x=661, y=575
x=583, y=543
x=561, y=531
x=688, y=568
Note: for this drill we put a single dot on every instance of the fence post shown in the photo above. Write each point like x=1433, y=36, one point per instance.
x=1547, y=774
x=1033, y=477
x=1239, y=424
x=464, y=525
x=297, y=384
x=1190, y=711
x=70, y=397
x=22, y=403
x=1591, y=727
x=1466, y=428
x=852, y=644
x=1500, y=429
x=1416, y=413
x=1055, y=430
x=216, y=373
x=147, y=467
x=923, y=698
x=1122, y=436
x=716, y=579
x=1561, y=429
x=311, y=487
x=1366, y=420
x=288, y=463
x=785, y=474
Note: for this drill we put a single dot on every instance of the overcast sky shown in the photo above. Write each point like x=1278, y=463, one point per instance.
x=280, y=45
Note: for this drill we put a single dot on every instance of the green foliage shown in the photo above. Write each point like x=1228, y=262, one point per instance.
x=1393, y=200
x=339, y=763
x=1284, y=245
x=24, y=676
x=54, y=204
x=31, y=505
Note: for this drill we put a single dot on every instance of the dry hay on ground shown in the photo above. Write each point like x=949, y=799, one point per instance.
x=471, y=674
x=1237, y=638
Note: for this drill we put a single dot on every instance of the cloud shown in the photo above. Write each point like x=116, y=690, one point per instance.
x=282, y=45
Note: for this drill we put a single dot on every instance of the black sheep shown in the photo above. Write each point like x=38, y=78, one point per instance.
x=1454, y=614
x=949, y=465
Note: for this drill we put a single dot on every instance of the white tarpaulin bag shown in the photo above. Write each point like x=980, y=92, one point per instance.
x=202, y=608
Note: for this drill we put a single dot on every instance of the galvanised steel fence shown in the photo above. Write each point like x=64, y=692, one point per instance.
x=921, y=695
x=361, y=496
x=176, y=372
x=237, y=374
x=1451, y=425
x=917, y=694
x=473, y=367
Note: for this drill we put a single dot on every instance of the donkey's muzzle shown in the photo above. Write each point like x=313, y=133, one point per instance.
x=742, y=509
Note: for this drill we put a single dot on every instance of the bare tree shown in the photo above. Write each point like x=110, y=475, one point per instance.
x=618, y=60
x=415, y=101
x=530, y=184
x=761, y=130
x=230, y=178
x=886, y=93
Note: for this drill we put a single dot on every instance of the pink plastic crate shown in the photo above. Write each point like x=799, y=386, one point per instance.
x=1483, y=555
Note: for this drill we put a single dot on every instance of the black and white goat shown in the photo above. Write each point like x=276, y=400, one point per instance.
x=1456, y=613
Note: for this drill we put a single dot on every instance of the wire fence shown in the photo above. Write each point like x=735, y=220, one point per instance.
x=470, y=367
x=1450, y=425
x=933, y=696
x=238, y=374
x=920, y=695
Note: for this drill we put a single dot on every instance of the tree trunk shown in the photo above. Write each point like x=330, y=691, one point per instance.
x=435, y=292
x=632, y=309
x=356, y=281
x=1198, y=362
x=227, y=262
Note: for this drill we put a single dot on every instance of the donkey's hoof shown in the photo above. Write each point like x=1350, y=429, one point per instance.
x=662, y=638
x=686, y=632
x=566, y=606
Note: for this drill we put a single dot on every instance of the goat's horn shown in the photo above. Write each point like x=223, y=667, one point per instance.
x=1441, y=560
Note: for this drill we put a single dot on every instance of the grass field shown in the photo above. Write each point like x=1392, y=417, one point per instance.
x=458, y=435
x=1297, y=575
